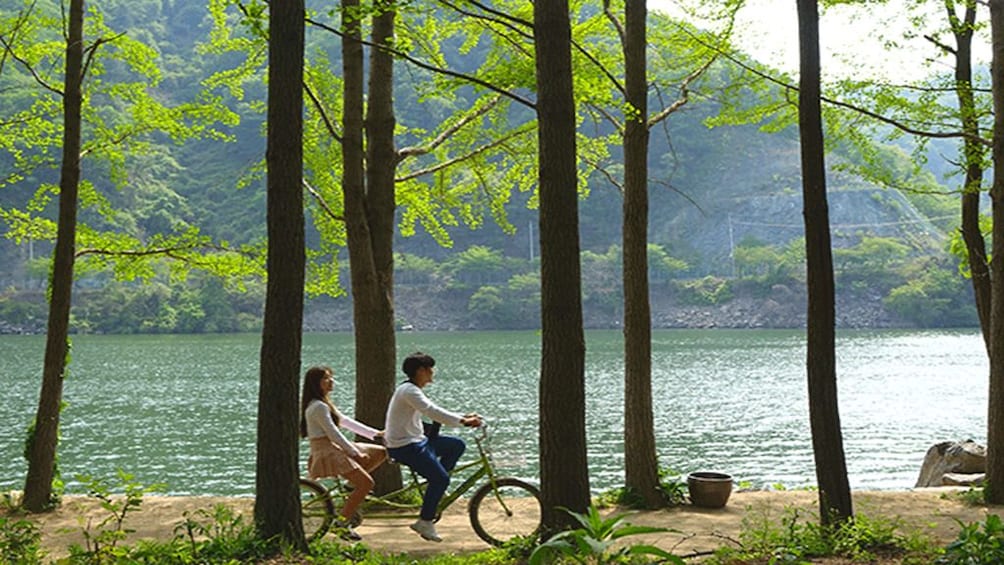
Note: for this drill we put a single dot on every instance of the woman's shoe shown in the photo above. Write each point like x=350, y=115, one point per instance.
x=345, y=530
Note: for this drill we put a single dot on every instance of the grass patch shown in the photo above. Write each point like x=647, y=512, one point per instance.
x=798, y=537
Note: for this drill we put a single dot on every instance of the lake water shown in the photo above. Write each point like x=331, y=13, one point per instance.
x=180, y=410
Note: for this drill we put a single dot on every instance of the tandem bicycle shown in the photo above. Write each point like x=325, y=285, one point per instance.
x=501, y=508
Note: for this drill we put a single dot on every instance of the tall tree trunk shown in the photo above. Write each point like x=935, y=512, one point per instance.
x=376, y=351
x=824, y=416
x=564, y=472
x=45, y=434
x=995, y=415
x=973, y=153
x=277, y=494
x=362, y=269
x=641, y=466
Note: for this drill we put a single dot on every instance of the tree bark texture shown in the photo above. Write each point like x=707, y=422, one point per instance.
x=641, y=464
x=995, y=411
x=45, y=436
x=824, y=415
x=973, y=154
x=277, y=494
x=564, y=469
x=376, y=350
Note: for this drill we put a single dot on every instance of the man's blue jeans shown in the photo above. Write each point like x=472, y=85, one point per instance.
x=432, y=459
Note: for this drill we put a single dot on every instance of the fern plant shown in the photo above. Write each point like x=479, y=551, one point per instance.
x=595, y=542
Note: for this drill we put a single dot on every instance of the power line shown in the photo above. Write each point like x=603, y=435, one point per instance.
x=899, y=223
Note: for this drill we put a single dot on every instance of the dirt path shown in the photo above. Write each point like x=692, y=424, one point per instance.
x=930, y=511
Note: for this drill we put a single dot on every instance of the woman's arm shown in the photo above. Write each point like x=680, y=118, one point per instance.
x=321, y=416
x=356, y=427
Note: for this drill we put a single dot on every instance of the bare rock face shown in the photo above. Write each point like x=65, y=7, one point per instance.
x=953, y=463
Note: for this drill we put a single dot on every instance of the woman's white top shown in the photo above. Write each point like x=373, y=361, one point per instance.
x=404, y=416
x=320, y=424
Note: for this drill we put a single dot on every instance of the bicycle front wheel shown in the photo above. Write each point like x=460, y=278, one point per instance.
x=316, y=509
x=508, y=509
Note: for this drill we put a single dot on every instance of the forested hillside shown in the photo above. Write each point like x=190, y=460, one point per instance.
x=725, y=218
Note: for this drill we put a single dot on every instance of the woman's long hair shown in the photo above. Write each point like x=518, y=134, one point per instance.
x=311, y=392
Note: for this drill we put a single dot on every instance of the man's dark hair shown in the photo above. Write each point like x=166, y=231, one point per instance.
x=416, y=361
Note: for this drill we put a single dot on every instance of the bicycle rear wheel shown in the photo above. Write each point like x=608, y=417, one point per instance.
x=316, y=509
x=509, y=509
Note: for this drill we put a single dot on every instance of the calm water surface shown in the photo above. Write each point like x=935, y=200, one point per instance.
x=180, y=410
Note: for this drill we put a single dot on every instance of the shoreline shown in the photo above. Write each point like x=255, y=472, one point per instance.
x=936, y=512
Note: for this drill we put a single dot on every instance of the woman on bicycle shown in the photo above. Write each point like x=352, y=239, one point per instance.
x=331, y=454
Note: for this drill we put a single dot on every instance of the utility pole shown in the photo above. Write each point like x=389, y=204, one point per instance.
x=530, y=239
x=732, y=248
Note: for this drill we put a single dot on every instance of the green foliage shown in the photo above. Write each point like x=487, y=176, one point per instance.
x=129, y=211
x=701, y=292
x=474, y=266
x=58, y=485
x=218, y=535
x=594, y=541
x=20, y=542
x=973, y=496
x=413, y=269
x=513, y=306
x=794, y=539
x=102, y=542
x=327, y=550
x=602, y=279
x=671, y=483
x=873, y=259
x=673, y=486
x=932, y=297
x=661, y=265
x=977, y=544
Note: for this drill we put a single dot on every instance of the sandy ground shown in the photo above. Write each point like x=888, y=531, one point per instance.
x=933, y=512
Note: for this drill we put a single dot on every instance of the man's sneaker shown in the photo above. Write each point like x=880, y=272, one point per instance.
x=427, y=530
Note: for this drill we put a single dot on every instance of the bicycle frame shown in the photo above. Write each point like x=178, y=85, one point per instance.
x=482, y=466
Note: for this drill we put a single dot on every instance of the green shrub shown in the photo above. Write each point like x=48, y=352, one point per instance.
x=703, y=292
x=102, y=540
x=977, y=544
x=793, y=539
x=593, y=542
x=20, y=542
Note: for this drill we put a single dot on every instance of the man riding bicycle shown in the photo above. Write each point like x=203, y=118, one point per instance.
x=431, y=457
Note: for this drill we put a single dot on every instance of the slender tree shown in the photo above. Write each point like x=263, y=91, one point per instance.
x=370, y=206
x=641, y=463
x=973, y=152
x=45, y=435
x=114, y=141
x=277, y=499
x=995, y=411
x=824, y=416
x=564, y=472
x=641, y=468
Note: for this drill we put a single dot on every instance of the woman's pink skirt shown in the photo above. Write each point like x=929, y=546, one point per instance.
x=328, y=460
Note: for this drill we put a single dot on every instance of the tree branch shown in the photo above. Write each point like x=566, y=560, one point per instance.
x=425, y=149
x=322, y=202
x=684, y=94
x=328, y=125
x=167, y=251
x=446, y=164
x=603, y=171
x=875, y=116
x=8, y=48
x=421, y=64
